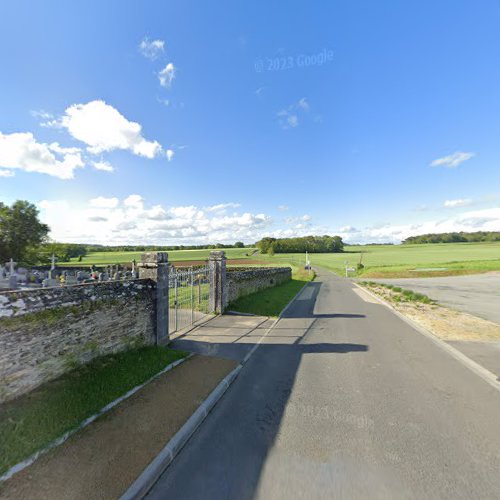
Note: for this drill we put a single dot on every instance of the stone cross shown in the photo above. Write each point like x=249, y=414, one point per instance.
x=11, y=266
x=53, y=262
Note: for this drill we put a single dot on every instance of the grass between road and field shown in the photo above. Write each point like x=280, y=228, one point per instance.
x=31, y=422
x=271, y=301
x=404, y=261
x=400, y=294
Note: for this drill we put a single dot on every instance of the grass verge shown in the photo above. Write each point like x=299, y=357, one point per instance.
x=31, y=422
x=400, y=294
x=272, y=301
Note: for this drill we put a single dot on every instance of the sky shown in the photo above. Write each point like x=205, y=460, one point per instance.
x=190, y=122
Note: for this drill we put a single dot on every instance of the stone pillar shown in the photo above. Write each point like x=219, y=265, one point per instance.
x=217, y=300
x=155, y=266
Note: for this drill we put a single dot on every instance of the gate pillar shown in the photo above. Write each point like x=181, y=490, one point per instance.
x=217, y=300
x=155, y=266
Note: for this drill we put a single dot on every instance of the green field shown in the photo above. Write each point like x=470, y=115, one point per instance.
x=99, y=258
x=382, y=261
x=386, y=261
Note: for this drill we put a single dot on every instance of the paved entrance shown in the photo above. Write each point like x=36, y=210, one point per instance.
x=342, y=399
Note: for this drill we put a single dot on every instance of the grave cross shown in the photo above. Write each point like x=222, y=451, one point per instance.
x=11, y=266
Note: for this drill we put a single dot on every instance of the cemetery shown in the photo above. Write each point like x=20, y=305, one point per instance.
x=14, y=277
x=54, y=320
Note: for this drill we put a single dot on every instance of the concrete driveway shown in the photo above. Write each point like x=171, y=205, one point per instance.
x=477, y=294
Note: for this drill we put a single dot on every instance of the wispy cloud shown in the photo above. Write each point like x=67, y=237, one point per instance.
x=103, y=165
x=222, y=207
x=453, y=160
x=295, y=220
x=167, y=75
x=457, y=203
x=348, y=229
x=151, y=49
x=289, y=117
x=283, y=208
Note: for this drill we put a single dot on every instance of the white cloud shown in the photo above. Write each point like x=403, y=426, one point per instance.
x=104, y=128
x=283, y=208
x=167, y=75
x=56, y=148
x=131, y=220
x=151, y=49
x=134, y=201
x=457, y=203
x=22, y=151
x=6, y=173
x=477, y=220
x=453, y=160
x=102, y=202
x=170, y=154
x=103, y=165
x=222, y=207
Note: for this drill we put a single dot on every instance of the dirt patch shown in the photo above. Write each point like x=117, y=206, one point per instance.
x=106, y=457
x=445, y=323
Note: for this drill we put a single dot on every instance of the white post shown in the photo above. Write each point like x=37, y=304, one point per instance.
x=192, y=294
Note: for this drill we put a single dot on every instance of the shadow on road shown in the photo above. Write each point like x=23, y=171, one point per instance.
x=237, y=437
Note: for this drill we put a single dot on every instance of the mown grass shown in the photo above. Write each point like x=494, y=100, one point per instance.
x=272, y=301
x=31, y=422
x=103, y=258
x=402, y=261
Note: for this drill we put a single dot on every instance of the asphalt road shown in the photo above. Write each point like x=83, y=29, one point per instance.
x=477, y=294
x=343, y=399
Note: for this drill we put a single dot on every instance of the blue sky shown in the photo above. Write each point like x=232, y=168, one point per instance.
x=236, y=120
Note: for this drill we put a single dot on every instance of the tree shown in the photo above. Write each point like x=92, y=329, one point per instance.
x=21, y=232
x=239, y=244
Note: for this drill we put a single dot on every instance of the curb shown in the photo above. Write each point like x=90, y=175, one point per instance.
x=476, y=368
x=60, y=440
x=146, y=480
x=155, y=469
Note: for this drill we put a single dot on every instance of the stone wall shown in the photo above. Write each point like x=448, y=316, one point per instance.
x=46, y=332
x=241, y=283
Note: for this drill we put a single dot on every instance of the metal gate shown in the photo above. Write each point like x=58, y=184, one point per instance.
x=189, y=290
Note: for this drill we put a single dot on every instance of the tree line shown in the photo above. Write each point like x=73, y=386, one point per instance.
x=312, y=244
x=160, y=248
x=461, y=237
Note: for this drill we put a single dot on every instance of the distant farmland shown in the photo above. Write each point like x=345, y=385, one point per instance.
x=384, y=261
x=380, y=261
x=106, y=258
